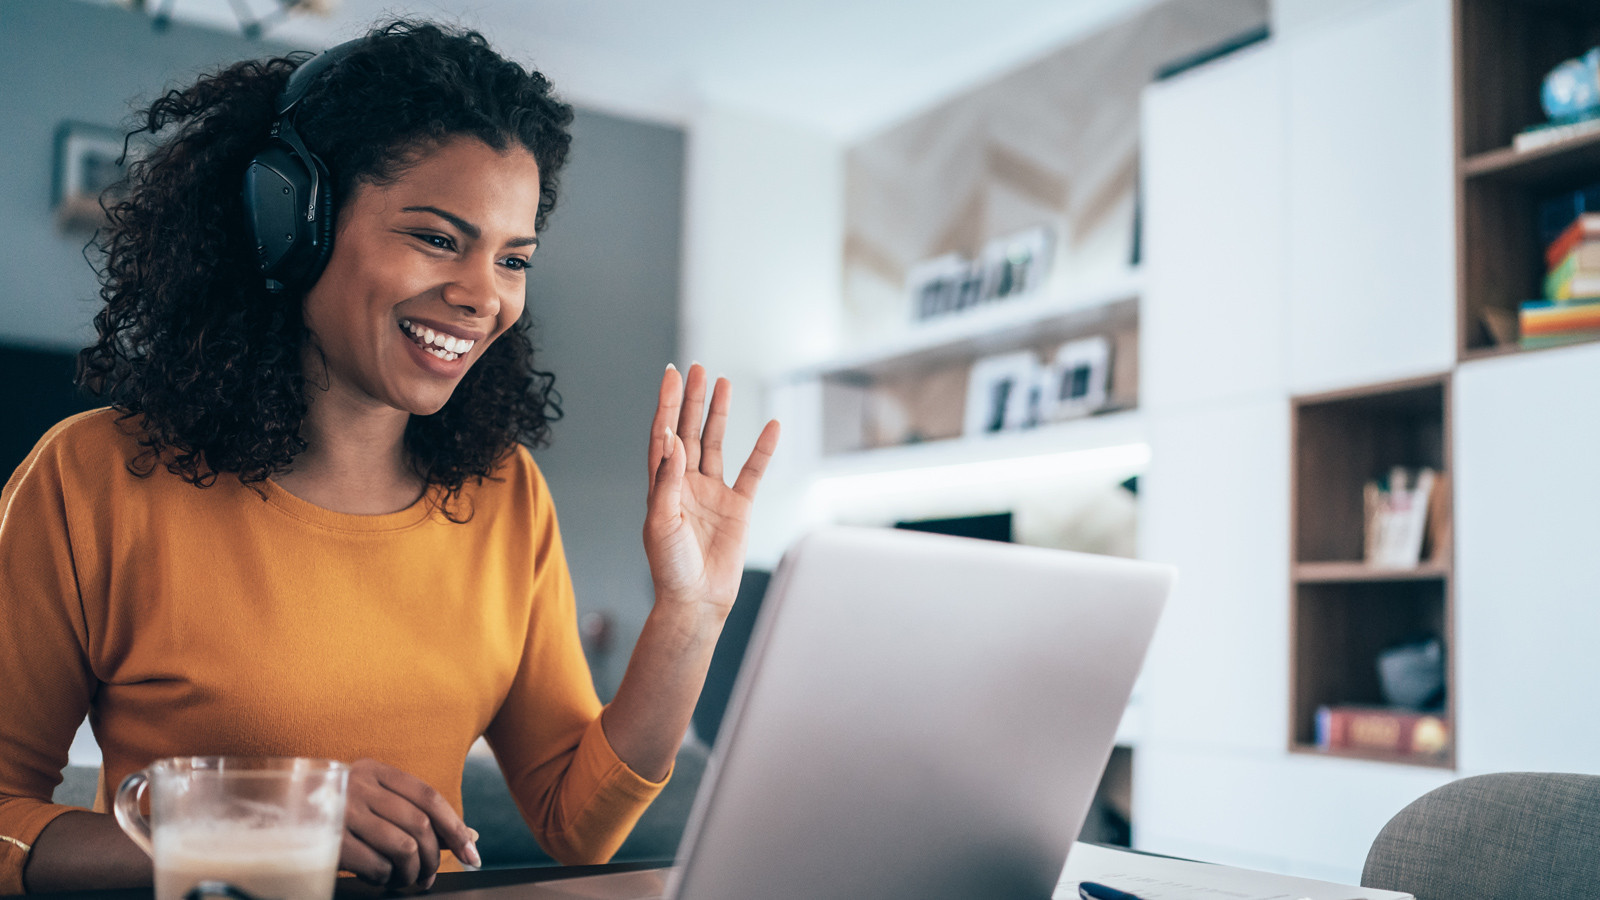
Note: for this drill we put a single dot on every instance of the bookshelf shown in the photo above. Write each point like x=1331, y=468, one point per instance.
x=1503, y=50
x=894, y=402
x=1343, y=610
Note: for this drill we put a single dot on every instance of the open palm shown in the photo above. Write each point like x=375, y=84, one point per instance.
x=696, y=526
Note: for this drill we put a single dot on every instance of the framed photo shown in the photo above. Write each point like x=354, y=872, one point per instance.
x=942, y=285
x=86, y=163
x=1017, y=264
x=1078, y=379
x=1002, y=393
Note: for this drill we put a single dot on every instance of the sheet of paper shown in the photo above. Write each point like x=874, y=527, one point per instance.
x=1159, y=878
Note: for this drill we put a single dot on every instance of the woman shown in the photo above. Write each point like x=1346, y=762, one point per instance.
x=307, y=525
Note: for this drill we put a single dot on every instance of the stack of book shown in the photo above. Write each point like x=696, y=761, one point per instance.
x=1570, y=309
x=1381, y=729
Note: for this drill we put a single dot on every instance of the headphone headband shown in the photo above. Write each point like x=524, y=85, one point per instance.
x=302, y=78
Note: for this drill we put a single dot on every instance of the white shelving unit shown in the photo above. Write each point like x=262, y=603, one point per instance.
x=921, y=375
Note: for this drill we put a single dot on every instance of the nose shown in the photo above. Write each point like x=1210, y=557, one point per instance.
x=475, y=287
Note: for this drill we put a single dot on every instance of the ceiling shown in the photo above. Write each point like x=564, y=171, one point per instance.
x=844, y=68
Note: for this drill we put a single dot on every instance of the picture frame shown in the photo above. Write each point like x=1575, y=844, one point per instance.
x=942, y=285
x=88, y=159
x=1078, y=380
x=1002, y=394
x=1016, y=265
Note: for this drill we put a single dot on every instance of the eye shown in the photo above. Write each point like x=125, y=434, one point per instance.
x=517, y=263
x=435, y=240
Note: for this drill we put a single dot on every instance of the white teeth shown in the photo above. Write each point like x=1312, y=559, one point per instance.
x=442, y=345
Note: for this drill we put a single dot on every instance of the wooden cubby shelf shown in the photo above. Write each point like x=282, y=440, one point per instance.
x=1504, y=48
x=1343, y=610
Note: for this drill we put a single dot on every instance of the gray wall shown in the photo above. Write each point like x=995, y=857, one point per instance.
x=603, y=288
x=604, y=293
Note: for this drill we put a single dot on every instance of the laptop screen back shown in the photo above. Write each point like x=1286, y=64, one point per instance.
x=918, y=716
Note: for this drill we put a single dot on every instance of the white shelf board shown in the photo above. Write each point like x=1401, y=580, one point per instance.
x=1002, y=325
x=1092, y=433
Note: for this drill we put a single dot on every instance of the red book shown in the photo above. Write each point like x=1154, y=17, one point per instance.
x=1382, y=729
x=1585, y=226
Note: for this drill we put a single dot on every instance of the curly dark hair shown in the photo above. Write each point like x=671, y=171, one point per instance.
x=191, y=341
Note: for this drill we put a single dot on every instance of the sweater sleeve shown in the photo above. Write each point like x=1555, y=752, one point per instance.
x=577, y=797
x=46, y=682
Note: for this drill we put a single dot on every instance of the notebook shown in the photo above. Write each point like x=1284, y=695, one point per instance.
x=917, y=716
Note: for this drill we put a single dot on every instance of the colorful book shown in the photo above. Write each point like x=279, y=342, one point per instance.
x=1382, y=729
x=1542, y=318
x=1583, y=252
x=1584, y=228
x=1572, y=281
x=1558, y=340
x=1571, y=286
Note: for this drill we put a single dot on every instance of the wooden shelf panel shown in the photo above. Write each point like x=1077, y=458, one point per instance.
x=1447, y=761
x=1578, y=157
x=1337, y=572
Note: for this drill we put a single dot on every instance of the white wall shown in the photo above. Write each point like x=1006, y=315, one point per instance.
x=761, y=295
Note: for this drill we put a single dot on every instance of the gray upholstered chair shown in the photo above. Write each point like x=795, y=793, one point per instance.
x=1529, y=835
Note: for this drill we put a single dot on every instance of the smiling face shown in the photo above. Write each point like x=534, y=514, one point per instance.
x=427, y=271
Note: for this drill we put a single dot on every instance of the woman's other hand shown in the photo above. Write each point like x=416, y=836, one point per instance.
x=696, y=526
x=395, y=825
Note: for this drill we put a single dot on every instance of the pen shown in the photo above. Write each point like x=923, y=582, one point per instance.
x=1092, y=890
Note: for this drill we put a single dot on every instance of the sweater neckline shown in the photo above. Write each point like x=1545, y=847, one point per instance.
x=310, y=513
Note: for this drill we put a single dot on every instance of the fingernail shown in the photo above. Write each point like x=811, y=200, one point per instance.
x=426, y=885
x=472, y=834
x=470, y=852
x=671, y=445
x=671, y=367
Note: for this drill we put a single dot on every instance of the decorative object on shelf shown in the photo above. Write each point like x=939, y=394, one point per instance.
x=943, y=285
x=1571, y=98
x=1574, y=261
x=1016, y=265
x=1010, y=267
x=1383, y=730
x=1396, y=516
x=1411, y=673
x=1570, y=308
x=1572, y=89
x=1078, y=379
x=1003, y=393
x=88, y=160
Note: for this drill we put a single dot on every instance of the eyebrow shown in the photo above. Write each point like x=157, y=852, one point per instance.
x=467, y=228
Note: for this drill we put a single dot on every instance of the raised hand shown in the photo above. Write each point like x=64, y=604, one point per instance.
x=696, y=526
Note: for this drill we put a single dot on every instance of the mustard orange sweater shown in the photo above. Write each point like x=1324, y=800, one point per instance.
x=199, y=621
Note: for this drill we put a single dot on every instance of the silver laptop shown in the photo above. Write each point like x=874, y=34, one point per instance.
x=917, y=716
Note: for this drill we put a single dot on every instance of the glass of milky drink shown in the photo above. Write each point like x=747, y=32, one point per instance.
x=269, y=827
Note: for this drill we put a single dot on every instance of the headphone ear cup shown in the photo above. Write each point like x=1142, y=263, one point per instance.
x=291, y=247
x=321, y=228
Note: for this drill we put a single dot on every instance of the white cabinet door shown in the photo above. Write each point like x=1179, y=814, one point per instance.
x=1528, y=582
x=1370, y=268
x=1212, y=318
x=1215, y=503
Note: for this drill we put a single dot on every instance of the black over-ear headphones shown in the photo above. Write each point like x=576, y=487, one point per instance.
x=288, y=194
